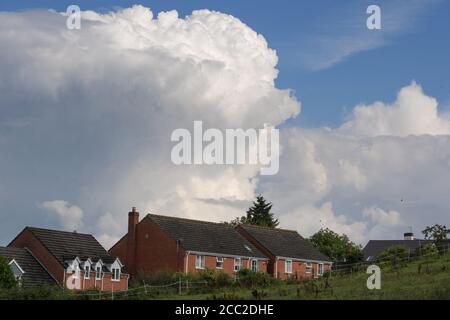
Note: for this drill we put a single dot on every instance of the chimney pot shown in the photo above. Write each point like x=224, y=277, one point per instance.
x=408, y=236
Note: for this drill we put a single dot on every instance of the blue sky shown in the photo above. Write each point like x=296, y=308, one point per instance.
x=84, y=130
x=416, y=47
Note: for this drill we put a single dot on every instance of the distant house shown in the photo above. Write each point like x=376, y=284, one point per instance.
x=161, y=243
x=26, y=268
x=77, y=261
x=375, y=247
x=291, y=256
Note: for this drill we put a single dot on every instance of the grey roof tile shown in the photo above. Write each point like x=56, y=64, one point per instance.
x=208, y=237
x=63, y=245
x=285, y=243
x=35, y=274
x=375, y=247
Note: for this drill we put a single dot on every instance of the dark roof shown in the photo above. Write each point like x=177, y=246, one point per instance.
x=63, y=245
x=284, y=243
x=375, y=247
x=208, y=237
x=35, y=273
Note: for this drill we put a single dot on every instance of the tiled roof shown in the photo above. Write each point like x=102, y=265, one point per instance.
x=35, y=274
x=375, y=247
x=207, y=237
x=64, y=245
x=284, y=243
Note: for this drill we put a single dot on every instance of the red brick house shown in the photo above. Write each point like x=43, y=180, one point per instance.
x=160, y=243
x=75, y=260
x=291, y=256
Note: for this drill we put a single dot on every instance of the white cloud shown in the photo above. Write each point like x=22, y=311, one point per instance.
x=70, y=216
x=104, y=100
x=413, y=113
x=325, y=47
x=386, y=218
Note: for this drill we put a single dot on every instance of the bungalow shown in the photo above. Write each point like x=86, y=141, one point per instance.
x=161, y=243
x=374, y=247
x=291, y=256
x=27, y=269
x=75, y=260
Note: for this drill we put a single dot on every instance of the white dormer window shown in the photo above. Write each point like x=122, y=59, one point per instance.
x=17, y=270
x=115, y=274
x=87, y=271
x=98, y=272
x=75, y=271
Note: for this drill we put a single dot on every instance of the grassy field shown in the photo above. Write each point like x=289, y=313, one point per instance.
x=426, y=278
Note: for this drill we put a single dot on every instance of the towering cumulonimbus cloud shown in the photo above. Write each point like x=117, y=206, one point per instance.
x=87, y=115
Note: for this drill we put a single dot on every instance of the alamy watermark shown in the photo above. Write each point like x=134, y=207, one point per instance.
x=374, y=20
x=235, y=146
x=73, y=21
x=374, y=280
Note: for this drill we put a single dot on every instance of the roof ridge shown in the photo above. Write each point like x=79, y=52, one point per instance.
x=190, y=220
x=61, y=231
x=268, y=228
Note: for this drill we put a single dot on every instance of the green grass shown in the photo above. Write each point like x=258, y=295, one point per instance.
x=426, y=278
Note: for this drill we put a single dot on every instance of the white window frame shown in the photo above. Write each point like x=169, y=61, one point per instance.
x=115, y=274
x=320, y=269
x=199, y=262
x=286, y=263
x=219, y=260
x=256, y=269
x=98, y=276
x=237, y=264
x=75, y=271
x=87, y=271
x=309, y=266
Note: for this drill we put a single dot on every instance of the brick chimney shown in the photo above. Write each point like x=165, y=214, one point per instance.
x=133, y=220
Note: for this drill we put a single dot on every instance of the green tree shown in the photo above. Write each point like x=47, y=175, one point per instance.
x=437, y=232
x=337, y=247
x=259, y=214
x=395, y=255
x=7, y=278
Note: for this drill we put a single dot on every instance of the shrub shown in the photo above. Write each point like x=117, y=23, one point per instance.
x=395, y=255
x=429, y=250
x=7, y=278
x=249, y=278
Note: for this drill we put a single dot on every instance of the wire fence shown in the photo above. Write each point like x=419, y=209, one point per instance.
x=399, y=257
x=178, y=287
x=181, y=287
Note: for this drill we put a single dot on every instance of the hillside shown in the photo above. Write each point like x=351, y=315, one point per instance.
x=427, y=278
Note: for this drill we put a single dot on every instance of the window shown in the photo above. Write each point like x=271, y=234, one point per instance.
x=237, y=264
x=308, y=267
x=255, y=266
x=75, y=271
x=288, y=266
x=320, y=269
x=219, y=263
x=98, y=273
x=115, y=274
x=87, y=271
x=200, y=262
